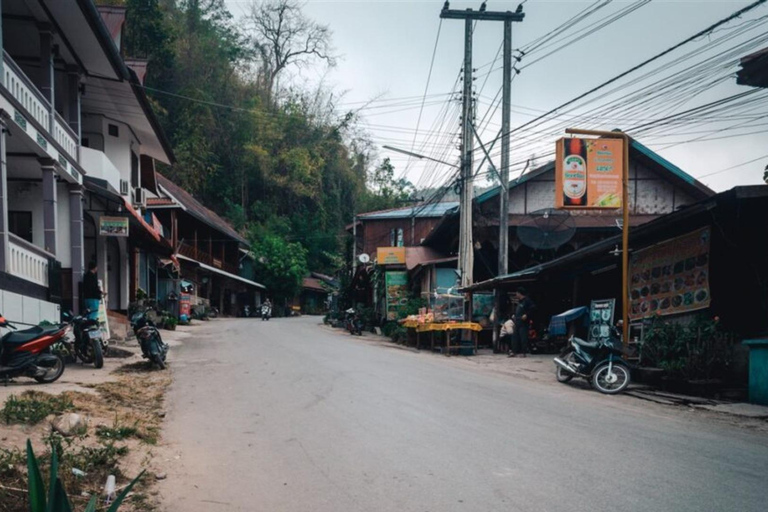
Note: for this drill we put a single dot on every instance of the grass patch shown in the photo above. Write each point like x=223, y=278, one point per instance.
x=117, y=432
x=32, y=407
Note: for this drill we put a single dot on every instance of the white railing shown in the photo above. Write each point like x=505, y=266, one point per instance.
x=64, y=135
x=98, y=165
x=28, y=262
x=25, y=92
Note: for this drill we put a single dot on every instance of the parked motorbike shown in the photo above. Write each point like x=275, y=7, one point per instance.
x=599, y=362
x=152, y=345
x=266, y=312
x=246, y=311
x=28, y=352
x=353, y=322
x=89, y=343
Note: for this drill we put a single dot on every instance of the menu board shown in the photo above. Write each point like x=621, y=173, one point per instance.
x=601, y=319
x=397, y=292
x=671, y=277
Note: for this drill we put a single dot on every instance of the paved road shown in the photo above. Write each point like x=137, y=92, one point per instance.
x=286, y=416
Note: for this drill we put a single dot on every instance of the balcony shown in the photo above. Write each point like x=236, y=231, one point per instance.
x=98, y=165
x=203, y=257
x=34, y=103
x=28, y=261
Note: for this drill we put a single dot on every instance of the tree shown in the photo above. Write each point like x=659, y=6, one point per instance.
x=280, y=265
x=384, y=190
x=283, y=36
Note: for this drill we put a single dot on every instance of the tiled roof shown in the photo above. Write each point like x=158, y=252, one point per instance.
x=160, y=201
x=196, y=208
x=420, y=210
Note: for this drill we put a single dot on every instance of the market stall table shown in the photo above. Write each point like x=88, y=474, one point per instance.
x=418, y=328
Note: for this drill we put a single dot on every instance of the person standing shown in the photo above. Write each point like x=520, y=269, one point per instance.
x=525, y=307
x=507, y=332
x=92, y=291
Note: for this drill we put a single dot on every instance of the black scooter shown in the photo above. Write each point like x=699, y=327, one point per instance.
x=89, y=343
x=266, y=312
x=152, y=345
x=599, y=362
x=354, y=324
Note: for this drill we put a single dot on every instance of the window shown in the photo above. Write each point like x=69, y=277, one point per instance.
x=396, y=237
x=86, y=143
x=20, y=224
x=113, y=130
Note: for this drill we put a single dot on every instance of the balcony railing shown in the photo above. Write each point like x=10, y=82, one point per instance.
x=65, y=136
x=28, y=261
x=203, y=257
x=25, y=92
x=98, y=165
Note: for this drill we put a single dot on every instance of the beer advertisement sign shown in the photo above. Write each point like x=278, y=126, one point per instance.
x=588, y=173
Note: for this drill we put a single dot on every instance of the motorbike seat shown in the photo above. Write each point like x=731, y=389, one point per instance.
x=586, y=344
x=27, y=335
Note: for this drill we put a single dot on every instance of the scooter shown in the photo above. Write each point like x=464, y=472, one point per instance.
x=246, y=311
x=354, y=324
x=152, y=345
x=28, y=352
x=599, y=362
x=266, y=312
x=89, y=342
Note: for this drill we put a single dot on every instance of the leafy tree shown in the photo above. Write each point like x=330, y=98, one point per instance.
x=280, y=265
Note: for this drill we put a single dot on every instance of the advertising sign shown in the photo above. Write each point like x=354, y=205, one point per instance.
x=390, y=255
x=397, y=292
x=601, y=319
x=482, y=305
x=670, y=277
x=588, y=173
x=113, y=226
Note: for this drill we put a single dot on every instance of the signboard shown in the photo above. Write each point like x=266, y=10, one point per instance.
x=671, y=277
x=482, y=305
x=396, y=284
x=601, y=319
x=588, y=173
x=390, y=255
x=113, y=226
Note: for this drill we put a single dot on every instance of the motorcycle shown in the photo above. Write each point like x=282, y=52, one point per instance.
x=28, y=352
x=89, y=343
x=599, y=362
x=266, y=312
x=246, y=311
x=354, y=324
x=152, y=345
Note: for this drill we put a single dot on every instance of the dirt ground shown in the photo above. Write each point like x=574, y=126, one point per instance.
x=123, y=405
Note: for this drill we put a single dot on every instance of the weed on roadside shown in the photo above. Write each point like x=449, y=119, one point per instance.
x=32, y=407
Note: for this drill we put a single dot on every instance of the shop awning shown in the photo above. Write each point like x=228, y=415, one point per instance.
x=222, y=272
x=558, y=324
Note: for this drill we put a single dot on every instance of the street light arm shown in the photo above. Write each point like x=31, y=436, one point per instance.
x=420, y=157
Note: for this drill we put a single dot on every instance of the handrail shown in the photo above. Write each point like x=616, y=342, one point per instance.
x=8, y=60
x=30, y=247
x=66, y=126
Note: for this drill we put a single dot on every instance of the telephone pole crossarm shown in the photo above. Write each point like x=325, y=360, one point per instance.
x=458, y=14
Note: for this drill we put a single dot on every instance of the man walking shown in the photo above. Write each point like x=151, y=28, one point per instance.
x=525, y=307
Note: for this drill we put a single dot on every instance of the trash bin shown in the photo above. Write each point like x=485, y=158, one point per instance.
x=758, y=370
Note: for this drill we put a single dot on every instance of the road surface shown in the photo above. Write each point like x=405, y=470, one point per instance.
x=287, y=415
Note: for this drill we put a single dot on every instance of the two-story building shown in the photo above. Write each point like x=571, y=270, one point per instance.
x=208, y=249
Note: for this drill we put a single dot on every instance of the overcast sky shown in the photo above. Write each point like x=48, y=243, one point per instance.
x=386, y=49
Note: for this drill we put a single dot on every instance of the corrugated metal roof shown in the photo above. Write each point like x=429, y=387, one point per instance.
x=421, y=211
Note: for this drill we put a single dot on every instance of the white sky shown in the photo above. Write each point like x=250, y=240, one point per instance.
x=386, y=48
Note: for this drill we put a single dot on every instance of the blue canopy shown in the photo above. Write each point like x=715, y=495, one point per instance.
x=558, y=323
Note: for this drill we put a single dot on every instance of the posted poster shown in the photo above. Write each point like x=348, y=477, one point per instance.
x=588, y=173
x=113, y=226
x=601, y=319
x=397, y=292
x=671, y=277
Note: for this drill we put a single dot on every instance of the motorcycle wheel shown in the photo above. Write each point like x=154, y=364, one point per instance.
x=611, y=384
x=98, y=355
x=85, y=352
x=54, y=372
x=562, y=374
x=158, y=360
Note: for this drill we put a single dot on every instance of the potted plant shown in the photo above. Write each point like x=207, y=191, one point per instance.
x=170, y=323
x=141, y=296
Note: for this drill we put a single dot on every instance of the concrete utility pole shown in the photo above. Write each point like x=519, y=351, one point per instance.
x=466, y=249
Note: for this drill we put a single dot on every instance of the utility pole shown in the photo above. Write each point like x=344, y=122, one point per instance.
x=466, y=249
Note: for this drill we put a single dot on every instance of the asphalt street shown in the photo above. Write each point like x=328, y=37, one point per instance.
x=288, y=415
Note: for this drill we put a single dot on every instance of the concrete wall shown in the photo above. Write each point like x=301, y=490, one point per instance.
x=118, y=149
x=27, y=196
x=18, y=309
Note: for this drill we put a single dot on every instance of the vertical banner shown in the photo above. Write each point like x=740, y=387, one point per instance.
x=396, y=284
x=601, y=319
x=102, y=316
x=671, y=277
x=588, y=173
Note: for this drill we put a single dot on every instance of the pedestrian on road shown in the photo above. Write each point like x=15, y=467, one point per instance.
x=92, y=291
x=525, y=308
x=506, y=332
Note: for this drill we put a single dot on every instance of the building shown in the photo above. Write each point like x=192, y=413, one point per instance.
x=209, y=251
x=71, y=112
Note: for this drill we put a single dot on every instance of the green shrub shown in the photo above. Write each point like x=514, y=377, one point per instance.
x=55, y=498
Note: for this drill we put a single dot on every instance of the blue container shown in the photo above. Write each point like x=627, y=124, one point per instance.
x=758, y=370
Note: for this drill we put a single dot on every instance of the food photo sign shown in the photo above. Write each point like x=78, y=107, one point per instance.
x=671, y=277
